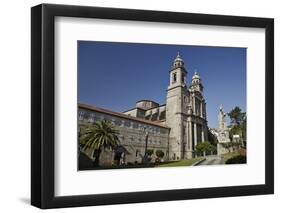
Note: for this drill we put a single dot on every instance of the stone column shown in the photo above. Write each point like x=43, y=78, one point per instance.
x=194, y=105
x=201, y=109
x=187, y=136
x=158, y=115
x=190, y=135
x=205, y=114
x=202, y=134
x=195, y=134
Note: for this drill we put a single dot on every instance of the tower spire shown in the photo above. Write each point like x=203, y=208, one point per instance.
x=178, y=62
x=196, y=82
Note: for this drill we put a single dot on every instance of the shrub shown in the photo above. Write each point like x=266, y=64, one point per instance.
x=236, y=160
x=160, y=153
x=149, y=152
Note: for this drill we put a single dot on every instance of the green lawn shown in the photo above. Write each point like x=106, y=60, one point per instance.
x=229, y=155
x=188, y=162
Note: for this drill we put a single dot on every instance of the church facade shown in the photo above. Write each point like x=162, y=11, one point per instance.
x=183, y=117
x=184, y=111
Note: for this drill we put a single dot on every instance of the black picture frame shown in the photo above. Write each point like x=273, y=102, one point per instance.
x=43, y=102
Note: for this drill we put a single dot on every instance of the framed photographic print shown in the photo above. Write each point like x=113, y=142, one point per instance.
x=139, y=106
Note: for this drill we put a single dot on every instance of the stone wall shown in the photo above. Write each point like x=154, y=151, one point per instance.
x=132, y=136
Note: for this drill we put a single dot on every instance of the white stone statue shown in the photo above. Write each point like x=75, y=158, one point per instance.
x=223, y=131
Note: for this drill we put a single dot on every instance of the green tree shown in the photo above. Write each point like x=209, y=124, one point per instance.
x=244, y=128
x=239, y=123
x=100, y=135
x=236, y=116
x=204, y=147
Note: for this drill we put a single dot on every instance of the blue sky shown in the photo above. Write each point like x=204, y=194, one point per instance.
x=116, y=75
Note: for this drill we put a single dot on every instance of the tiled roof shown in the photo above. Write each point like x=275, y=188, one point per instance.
x=121, y=115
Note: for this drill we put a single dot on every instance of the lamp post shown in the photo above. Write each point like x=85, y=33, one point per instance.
x=144, y=159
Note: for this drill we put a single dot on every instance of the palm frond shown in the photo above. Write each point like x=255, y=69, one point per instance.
x=101, y=134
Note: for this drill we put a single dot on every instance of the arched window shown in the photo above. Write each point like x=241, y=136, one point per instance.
x=174, y=77
x=182, y=78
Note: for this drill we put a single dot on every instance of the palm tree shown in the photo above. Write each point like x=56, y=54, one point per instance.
x=98, y=136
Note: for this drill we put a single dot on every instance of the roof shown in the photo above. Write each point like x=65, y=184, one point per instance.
x=146, y=100
x=156, y=107
x=159, y=106
x=133, y=109
x=120, y=115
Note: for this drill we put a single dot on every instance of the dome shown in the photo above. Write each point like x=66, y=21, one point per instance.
x=178, y=62
x=178, y=58
x=196, y=80
x=196, y=76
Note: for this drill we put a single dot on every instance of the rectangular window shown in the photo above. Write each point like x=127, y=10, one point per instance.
x=127, y=124
x=81, y=115
x=135, y=125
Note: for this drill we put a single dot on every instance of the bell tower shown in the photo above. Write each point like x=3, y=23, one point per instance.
x=196, y=83
x=177, y=73
x=176, y=108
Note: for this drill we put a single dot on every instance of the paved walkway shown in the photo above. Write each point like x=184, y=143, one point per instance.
x=211, y=160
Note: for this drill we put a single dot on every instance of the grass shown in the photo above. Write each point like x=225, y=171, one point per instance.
x=230, y=155
x=188, y=162
x=85, y=163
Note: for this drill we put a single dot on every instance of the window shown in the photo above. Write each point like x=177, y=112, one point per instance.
x=154, y=117
x=91, y=118
x=135, y=125
x=117, y=122
x=162, y=115
x=81, y=115
x=127, y=124
x=182, y=78
x=174, y=77
x=86, y=116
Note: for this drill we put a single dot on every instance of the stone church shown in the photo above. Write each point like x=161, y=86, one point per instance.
x=176, y=127
x=184, y=111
